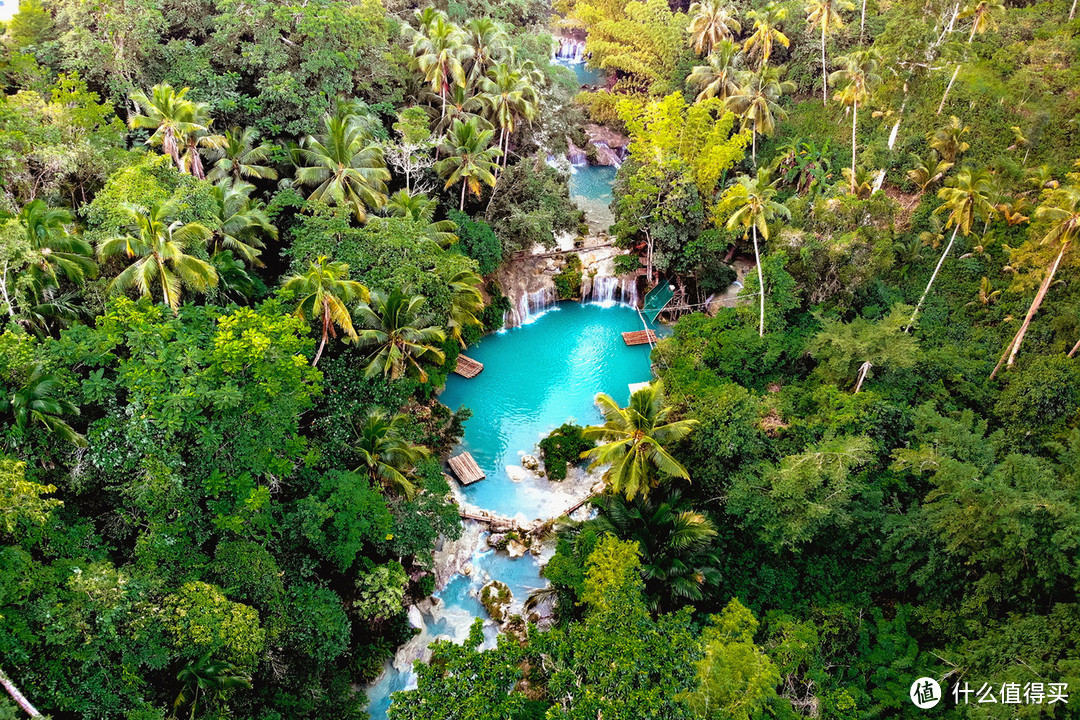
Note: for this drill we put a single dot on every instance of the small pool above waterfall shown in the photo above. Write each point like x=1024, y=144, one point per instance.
x=590, y=189
x=536, y=378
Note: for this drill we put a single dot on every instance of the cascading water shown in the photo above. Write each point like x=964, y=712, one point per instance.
x=609, y=291
x=531, y=306
x=576, y=155
x=607, y=155
x=570, y=50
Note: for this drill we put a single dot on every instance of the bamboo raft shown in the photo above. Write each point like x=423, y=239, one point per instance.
x=466, y=469
x=639, y=337
x=467, y=367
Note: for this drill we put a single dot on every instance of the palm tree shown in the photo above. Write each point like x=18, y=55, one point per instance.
x=487, y=42
x=926, y=172
x=753, y=207
x=966, y=198
x=634, y=438
x=240, y=220
x=766, y=32
x=860, y=78
x=325, y=291
x=1062, y=211
x=385, y=454
x=160, y=248
x=985, y=15
x=420, y=208
x=470, y=158
x=711, y=22
x=756, y=101
x=461, y=104
x=393, y=333
x=826, y=13
x=679, y=556
x=466, y=303
x=439, y=51
x=168, y=114
x=345, y=164
x=717, y=78
x=56, y=252
x=949, y=139
x=510, y=97
x=198, y=115
x=209, y=678
x=36, y=403
x=242, y=157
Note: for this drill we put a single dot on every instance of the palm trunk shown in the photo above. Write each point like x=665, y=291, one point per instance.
x=948, y=87
x=854, y=143
x=862, y=22
x=863, y=370
x=325, y=333
x=1076, y=347
x=1072, y=14
x=824, y=75
x=502, y=140
x=3, y=287
x=932, y=278
x=753, y=146
x=1014, y=346
x=17, y=696
x=165, y=286
x=461, y=207
x=761, y=286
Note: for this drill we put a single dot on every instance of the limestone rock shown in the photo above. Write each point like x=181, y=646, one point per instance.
x=515, y=548
x=496, y=598
x=529, y=462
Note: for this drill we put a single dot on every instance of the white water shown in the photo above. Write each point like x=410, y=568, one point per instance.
x=532, y=306
x=570, y=50
x=609, y=291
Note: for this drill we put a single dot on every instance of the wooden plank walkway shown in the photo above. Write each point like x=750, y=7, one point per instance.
x=467, y=367
x=466, y=469
x=639, y=337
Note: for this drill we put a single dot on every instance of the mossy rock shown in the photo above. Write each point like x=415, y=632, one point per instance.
x=496, y=598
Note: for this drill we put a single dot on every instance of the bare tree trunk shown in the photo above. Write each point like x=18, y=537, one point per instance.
x=948, y=87
x=854, y=144
x=325, y=332
x=932, y=278
x=761, y=286
x=17, y=696
x=1014, y=345
x=824, y=74
x=862, y=22
x=461, y=207
x=1076, y=347
x=3, y=287
x=1072, y=14
x=863, y=370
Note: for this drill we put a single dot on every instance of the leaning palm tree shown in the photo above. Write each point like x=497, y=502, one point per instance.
x=420, y=208
x=159, y=250
x=711, y=22
x=948, y=140
x=199, y=137
x=680, y=560
x=966, y=199
x=385, y=454
x=633, y=442
x=36, y=403
x=345, y=164
x=466, y=303
x=470, y=159
x=766, y=32
x=240, y=221
x=325, y=291
x=167, y=112
x=1062, y=211
x=718, y=77
x=925, y=172
x=984, y=14
x=756, y=101
x=860, y=79
x=826, y=13
x=393, y=332
x=243, y=156
x=209, y=679
x=510, y=98
x=752, y=207
x=56, y=252
x=439, y=52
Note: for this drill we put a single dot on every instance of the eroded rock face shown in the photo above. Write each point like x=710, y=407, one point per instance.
x=496, y=599
x=607, y=136
x=529, y=462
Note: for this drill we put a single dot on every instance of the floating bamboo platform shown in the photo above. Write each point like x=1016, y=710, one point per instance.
x=467, y=367
x=466, y=469
x=639, y=337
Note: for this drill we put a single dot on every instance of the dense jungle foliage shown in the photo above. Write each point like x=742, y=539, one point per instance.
x=243, y=244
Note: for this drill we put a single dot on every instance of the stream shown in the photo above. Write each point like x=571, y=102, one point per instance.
x=536, y=377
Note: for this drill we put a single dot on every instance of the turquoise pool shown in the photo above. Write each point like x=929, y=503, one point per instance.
x=590, y=189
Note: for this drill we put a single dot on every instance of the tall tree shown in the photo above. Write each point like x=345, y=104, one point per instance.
x=826, y=14
x=752, y=207
x=421, y=209
x=634, y=440
x=487, y=44
x=37, y=402
x=984, y=14
x=711, y=22
x=966, y=199
x=510, y=97
x=168, y=113
x=199, y=136
x=159, y=248
x=395, y=336
x=766, y=32
x=718, y=78
x=1062, y=211
x=243, y=157
x=325, y=291
x=466, y=303
x=439, y=52
x=860, y=79
x=756, y=101
x=56, y=251
x=345, y=164
x=240, y=221
x=385, y=454
x=470, y=158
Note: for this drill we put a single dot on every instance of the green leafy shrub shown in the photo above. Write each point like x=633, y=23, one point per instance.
x=568, y=280
x=560, y=448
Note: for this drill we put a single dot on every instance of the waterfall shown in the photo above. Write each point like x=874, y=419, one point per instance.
x=609, y=291
x=606, y=155
x=628, y=288
x=532, y=305
x=575, y=155
x=570, y=50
